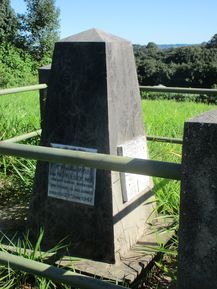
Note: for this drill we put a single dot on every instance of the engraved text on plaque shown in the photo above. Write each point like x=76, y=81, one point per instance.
x=133, y=184
x=72, y=183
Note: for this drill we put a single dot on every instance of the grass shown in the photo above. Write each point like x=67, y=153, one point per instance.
x=166, y=118
x=19, y=113
x=10, y=278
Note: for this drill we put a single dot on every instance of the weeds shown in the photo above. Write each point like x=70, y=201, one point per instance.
x=166, y=118
x=22, y=246
x=19, y=114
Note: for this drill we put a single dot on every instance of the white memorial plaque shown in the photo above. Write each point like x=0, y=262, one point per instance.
x=133, y=184
x=72, y=183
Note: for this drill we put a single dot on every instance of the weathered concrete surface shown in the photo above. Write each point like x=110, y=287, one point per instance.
x=93, y=101
x=43, y=75
x=197, y=262
x=131, y=267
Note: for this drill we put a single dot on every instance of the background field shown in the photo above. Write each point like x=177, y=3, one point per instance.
x=19, y=113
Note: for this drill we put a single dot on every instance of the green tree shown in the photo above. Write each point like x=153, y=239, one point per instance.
x=152, y=45
x=8, y=22
x=213, y=42
x=39, y=28
x=190, y=66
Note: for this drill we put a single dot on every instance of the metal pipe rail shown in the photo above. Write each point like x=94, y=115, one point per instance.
x=25, y=136
x=94, y=160
x=164, y=139
x=53, y=273
x=144, y=88
x=38, y=133
x=179, y=90
x=23, y=89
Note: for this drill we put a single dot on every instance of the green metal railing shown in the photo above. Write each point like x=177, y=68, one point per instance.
x=94, y=160
x=143, y=88
x=23, y=89
x=100, y=161
x=38, y=133
x=53, y=273
x=25, y=136
x=179, y=90
x=165, y=139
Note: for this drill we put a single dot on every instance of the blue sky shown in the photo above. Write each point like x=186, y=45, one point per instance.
x=139, y=21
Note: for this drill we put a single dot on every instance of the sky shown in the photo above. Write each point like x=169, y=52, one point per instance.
x=139, y=21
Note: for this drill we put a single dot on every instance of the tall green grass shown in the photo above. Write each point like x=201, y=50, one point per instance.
x=19, y=113
x=23, y=247
x=166, y=118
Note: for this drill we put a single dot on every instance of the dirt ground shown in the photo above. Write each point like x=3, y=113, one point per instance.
x=162, y=275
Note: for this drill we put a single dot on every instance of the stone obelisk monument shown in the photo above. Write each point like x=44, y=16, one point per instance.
x=93, y=104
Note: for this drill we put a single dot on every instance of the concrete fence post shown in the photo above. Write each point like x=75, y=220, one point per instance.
x=197, y=262
x=43, y=75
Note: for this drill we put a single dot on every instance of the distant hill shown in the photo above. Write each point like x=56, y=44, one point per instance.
x=166, y=46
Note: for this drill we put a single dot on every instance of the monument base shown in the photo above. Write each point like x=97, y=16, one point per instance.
x=129, y=268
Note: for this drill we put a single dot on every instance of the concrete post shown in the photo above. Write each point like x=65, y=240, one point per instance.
x=43, y=75
x=197, y=261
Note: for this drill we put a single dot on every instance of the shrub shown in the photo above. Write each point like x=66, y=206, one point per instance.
x=17, y=67
x=203, y=98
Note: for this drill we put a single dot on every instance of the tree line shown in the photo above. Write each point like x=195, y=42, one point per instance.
x=26, y=40
x=188, y=66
